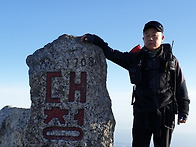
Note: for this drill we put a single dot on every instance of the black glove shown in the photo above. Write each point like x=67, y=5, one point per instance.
x=96, y=40
x=182, y=117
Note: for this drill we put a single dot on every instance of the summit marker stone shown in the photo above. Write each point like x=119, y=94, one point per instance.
x=70, y=106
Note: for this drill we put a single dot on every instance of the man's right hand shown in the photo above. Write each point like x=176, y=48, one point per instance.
x=96, y=40
x=88, y=38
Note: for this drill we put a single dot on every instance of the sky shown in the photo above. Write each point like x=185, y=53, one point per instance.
x=26, y=26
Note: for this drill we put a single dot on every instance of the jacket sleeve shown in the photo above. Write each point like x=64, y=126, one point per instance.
x=123, y=59
x=120, y=58
x=181, y=91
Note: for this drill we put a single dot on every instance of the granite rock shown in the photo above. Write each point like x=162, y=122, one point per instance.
x=13, y=122
x=70, y=103
x=70, y=106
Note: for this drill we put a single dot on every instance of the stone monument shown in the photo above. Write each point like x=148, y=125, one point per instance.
x=70, y=103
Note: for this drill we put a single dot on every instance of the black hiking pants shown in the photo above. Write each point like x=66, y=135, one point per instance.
x=154, y=123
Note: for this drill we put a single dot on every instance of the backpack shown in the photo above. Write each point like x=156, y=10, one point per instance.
x=135, y=70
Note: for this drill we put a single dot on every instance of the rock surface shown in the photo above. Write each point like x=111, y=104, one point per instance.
x=13, y=122
x=70, y=103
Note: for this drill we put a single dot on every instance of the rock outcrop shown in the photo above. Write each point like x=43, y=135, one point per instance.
x=13, y=122
x=70, y=103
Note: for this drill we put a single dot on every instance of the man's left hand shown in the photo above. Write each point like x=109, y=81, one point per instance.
x=182, y=118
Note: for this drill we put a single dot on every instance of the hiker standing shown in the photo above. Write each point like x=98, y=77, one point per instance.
x=159, y=86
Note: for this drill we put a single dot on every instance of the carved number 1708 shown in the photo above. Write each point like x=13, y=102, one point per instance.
x=83, y=62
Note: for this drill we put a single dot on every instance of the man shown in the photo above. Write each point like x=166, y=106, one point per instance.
x=159, y=87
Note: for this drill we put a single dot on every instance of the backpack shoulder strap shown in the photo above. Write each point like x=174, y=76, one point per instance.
x=171, y=67
x=167, y=48
x=169, y=57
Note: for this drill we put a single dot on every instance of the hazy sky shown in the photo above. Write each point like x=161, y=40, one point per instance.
x=26, y=26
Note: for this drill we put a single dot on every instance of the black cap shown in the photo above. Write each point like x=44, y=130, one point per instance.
x=153, y=24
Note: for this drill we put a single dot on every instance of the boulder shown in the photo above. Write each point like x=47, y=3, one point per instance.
x=13, y=122
x=70, y=106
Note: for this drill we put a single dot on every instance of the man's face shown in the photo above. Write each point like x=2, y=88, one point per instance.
x=152, y=39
